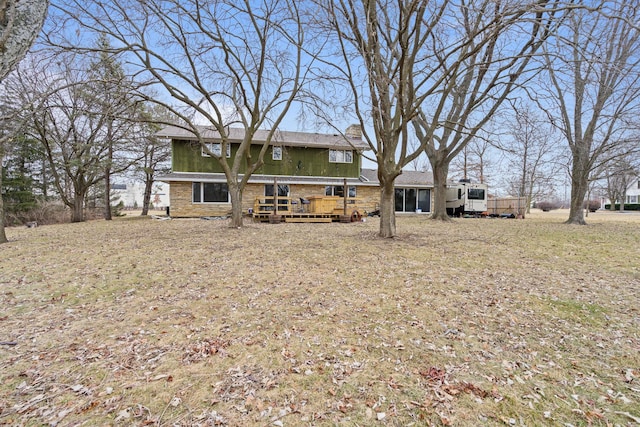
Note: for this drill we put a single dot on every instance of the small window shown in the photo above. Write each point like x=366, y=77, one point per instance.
x=216, y=149
x=340, y=156
x=338, y=190
x=476, y=194
x=276, y=153
x=210, y=192
x=283, y=190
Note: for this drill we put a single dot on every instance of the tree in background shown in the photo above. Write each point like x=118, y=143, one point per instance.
x=155, y=152
x=22, y=185
x=591, y=89
x=20, y=23
x=121, y=110
x=216, y=64
x=439, y=69
x=60, y=109
x=618, y=177
x=480, y=59
x=531, y=151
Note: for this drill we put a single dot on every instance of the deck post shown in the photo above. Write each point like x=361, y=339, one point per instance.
x=345, y=193
x=275, y=196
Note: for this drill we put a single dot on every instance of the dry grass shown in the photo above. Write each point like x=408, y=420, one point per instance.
x=187, y=322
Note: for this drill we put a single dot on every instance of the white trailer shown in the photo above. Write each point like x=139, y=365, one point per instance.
x=466, y=198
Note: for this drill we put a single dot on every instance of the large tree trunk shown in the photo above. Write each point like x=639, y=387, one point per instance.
x=387, y=208
x=20, y=23
x=3, y=236
x=579, y=187
x=440, y=172
x=77, y=211
x=146, y=198
x=236, y=204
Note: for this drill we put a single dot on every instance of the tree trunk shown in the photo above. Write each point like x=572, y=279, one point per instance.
x=107, y=194
x=146, y=198
x=236, y=204
x=579, y=187
x=77, y=212
x=387, y=208
x=3, y=236
x=440, y=172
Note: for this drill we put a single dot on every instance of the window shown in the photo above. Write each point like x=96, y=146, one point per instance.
x=340, y=156
x=476, y=194
x=412, y=200
x=283, y=190
x=338, y=190
x=210, y=192
x=216, y=149
x=276, y=153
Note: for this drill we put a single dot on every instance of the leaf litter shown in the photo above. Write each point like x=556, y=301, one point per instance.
x=492, y=322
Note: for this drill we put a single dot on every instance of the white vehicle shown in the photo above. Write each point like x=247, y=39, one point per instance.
x=465, y=198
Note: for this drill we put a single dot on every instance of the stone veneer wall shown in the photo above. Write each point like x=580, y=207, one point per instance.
x=182, y=207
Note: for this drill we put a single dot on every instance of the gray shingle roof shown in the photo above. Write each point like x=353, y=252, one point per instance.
x=286, y=138
x=405, y=179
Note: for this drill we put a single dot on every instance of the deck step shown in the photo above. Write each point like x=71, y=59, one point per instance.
x=306, y=219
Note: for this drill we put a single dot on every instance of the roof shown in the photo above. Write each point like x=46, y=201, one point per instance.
x=280, y=137
x=405, y=179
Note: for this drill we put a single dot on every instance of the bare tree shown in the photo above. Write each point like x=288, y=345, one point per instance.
x=475, y=160
x=381, y=57
x=155, y=152
x=532, y=153
x=61, y=109
x=222, y=63
x=478, y=74
x=445, y=67
x=115, y=100
x=618, y=176
x=20, y=23
x=593, y=83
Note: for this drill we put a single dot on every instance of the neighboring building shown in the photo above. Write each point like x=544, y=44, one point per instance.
x=632, y=194
x=302, y=164
x=132, y=194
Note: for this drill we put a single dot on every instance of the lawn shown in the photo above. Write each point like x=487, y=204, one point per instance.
x=188, y=322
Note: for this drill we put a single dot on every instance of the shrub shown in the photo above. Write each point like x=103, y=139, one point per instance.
x=593, y=205
x=547, y=206
x=627, y=207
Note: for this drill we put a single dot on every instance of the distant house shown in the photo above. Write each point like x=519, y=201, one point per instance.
x=131, y=195
x=302, y=164
x=632, y=194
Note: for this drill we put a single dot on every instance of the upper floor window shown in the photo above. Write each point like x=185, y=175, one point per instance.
x=276, y=153
x=340, y=156
x=216, y=149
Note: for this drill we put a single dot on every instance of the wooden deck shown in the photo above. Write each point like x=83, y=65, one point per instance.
x=319, y=209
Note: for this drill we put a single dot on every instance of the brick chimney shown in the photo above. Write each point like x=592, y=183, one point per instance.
x=354, y=131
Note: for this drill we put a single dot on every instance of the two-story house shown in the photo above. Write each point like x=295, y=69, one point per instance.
x=302, y=164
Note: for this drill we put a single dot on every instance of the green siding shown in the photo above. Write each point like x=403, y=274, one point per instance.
x=296, y=161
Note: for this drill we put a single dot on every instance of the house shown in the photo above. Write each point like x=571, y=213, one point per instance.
x=303, y=165
x=131, y=194
x=632, y=194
